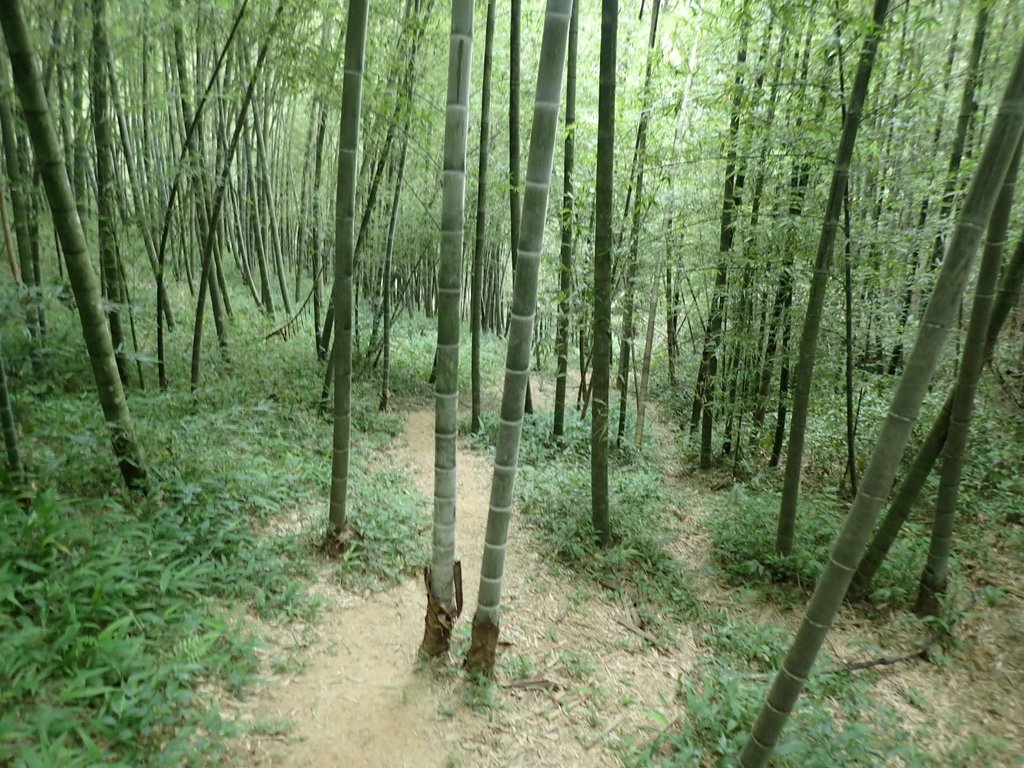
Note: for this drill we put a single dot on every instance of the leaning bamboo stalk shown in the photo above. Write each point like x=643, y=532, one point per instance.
x=481, y=655
x=895, y=433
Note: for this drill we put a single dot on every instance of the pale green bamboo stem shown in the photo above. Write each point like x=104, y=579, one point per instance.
x=892, y=439
x=524, y=305
x=348, y=150
x=449, y=292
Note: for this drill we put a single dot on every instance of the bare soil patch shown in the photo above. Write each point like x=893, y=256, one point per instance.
x=576, y=681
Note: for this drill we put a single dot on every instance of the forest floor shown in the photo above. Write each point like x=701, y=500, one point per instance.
x=581, y=682
x=362, y=698
x=222, y=635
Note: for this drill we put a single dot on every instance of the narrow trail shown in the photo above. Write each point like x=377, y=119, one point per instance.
x=577, y=680
x=362, y=698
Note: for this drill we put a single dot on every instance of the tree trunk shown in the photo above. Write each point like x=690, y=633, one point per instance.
x=266, y=193
x=388, y=278
x=896, y=357
x=515, y=212
x=317, y=241
x=780, y=321
x=140, y=202
x=604, y=206
x=15, y=468
x=903, y=412
x=483, y=648
x=967, y=109
x=645, y=368
x=28, y=83
x=633, y=259
x=344, y=237
x=115, y=290
x=934, y=442
x=819, y=284
x=703, y=401
x=187, y=151
x=12, y=253
x=259, y=244
x=672, y=307
x=568, y=225
x=851, y=426
x=442, y=610
x=746, y=339
x=934, y=577
x=370, y=201
x=19, y=199
x=476, y=294
x=208, y=279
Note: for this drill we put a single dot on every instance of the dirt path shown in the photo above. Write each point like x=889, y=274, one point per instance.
x=362, y=698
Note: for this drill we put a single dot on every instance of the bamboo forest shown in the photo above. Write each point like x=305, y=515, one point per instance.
x=504, y=383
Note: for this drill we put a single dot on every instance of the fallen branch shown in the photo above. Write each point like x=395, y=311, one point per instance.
x=651, y=639
x=922, y=651
x=533, y=683
x=284, y=330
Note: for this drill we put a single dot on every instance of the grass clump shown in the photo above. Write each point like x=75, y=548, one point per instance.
x=388, y=525
x=743, y=546
x=838, y=719
x=845, y=727
x=640, y=563
x=112, y=618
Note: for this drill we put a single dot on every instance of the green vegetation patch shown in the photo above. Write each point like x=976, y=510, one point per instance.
x=122, y=617
x=389, y=525
x=640, y=564
x=743, y=545
x=717, y=706
x=111, y=618
x=838, y=719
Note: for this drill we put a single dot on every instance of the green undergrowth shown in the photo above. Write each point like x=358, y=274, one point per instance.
x=413, y=342
x=113, y=616
x=993, y=486
x=123, y=616
x=640, y=564
x=836, y=722
x=553, y=492
x=839, y=719
x=538, y=446
x=390, y=527
x=743, y=529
